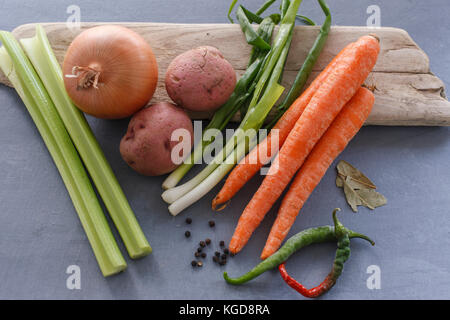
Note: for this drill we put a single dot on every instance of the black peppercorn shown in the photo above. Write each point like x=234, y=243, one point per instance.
x=222, y=262
x=203, y=255
x=226, y=251
x=194, y=263
x=212, y=223
x=208, y=241
x=197, y=254
x=199, y=264
x=222, y=243
x=187, y=234
x=202, y=244
x=217, y=254
x=188, y=220
x=215, y=259
x=223, y=256
x=199, y=249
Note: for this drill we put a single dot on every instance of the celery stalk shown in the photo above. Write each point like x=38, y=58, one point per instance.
x=44, y=61
x=20, y=72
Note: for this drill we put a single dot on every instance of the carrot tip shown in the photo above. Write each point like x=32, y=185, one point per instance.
x=375, y=36
x=215, y=203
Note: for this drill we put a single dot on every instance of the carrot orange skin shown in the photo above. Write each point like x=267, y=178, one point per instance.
x=348, y=122
x=253, y=162
x=338, y=88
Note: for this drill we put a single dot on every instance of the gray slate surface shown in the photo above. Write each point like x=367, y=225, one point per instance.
x=40, y=234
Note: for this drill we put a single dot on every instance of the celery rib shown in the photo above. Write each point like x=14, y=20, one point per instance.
x=19, y=70
x=43, y=59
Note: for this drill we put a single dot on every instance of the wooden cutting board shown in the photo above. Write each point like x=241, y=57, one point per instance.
x=406, y=91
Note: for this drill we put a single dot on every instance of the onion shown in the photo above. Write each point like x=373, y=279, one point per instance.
x=110, y=72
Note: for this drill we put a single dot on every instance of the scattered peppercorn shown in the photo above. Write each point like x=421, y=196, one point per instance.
x=208, y=241
x=187, y=234
x=203, y=255
x=215, y=259
x=226, y=251
x=199, y=249
x=197, y=254
x=202, y=244
x=222, y=243
x=222, y=262
x=188, y=220
x=193, y=263
x=217, y=254
x=223, y=256
x=199, y=264
x=212, y=223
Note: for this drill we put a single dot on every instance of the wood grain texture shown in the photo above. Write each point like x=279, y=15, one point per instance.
x=407, y=93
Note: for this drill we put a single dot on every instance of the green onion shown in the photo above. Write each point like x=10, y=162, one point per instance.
x=218, y=168
x=267, y=91
x=307, y=66
x=264, y=7
x=22, y=75
x=243, y=90
x=250, y=34
x=43, y=59
x=307, y=20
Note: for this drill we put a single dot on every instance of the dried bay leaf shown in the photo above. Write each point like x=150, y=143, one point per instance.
x=353, y=199
x=358, y=189
x=373, y=198
x=358, y=179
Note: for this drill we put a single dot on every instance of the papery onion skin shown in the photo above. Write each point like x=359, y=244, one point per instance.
x=128, y=71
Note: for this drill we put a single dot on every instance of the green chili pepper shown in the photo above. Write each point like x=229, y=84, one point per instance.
x=342, y=255
x=295, y=243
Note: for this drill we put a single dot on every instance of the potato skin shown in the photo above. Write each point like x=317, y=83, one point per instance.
x=147, y=145
x=200, y=79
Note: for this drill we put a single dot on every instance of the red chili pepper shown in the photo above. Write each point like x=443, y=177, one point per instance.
x=308, y=293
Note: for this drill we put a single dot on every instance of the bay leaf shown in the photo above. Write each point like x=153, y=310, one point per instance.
x=358, y=179
x=372, y=197
x=358, y=189
x=339, y=182
x=353, y=199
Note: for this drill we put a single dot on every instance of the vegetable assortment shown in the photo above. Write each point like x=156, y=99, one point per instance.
x=266, y=93
x=337, y=89
x=111, y=72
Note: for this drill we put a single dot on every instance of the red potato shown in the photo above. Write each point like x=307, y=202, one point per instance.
x=147, y=145
x=200, y=79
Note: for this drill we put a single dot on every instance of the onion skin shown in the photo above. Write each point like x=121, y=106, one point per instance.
x=128, y=71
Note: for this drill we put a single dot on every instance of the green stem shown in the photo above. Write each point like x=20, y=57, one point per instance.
x=41, y=55
x=306, y=69
x=28, y=85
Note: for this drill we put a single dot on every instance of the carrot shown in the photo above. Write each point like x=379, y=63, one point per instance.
x=338, y=88
x=333, y=142
x=262, y=153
